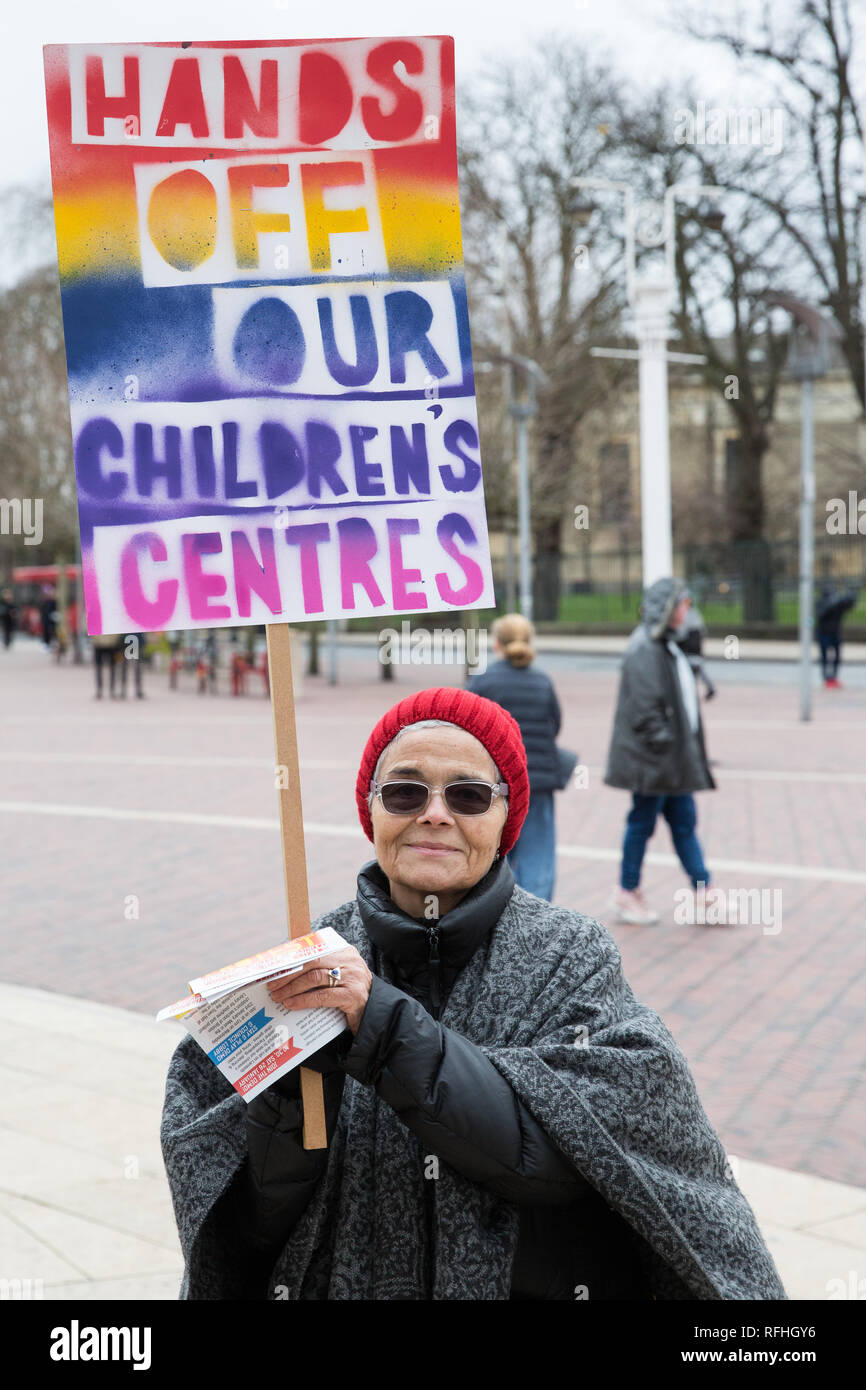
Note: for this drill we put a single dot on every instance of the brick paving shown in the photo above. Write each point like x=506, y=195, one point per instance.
x=772, y=1024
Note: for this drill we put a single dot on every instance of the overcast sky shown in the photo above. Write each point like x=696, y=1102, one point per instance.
x=636, y=32
x=639, y=34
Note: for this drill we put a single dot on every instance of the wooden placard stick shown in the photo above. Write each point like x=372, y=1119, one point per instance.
x=292, y=836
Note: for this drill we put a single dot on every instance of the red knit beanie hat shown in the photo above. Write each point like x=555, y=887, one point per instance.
x=490, y=723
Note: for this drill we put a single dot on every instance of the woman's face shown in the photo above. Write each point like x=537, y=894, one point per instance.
x=678, y=616
x=436, y=852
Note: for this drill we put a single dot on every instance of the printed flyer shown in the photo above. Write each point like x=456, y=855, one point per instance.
x=252, y=1038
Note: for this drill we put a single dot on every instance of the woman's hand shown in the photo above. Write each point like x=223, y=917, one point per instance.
x=310, y=988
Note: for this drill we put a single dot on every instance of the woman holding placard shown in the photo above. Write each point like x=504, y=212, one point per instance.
x=505, y=1120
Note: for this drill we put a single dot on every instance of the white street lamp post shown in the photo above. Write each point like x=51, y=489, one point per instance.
x=650, y=305
x=651, y=300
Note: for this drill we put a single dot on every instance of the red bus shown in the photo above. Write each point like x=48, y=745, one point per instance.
x=32, y=585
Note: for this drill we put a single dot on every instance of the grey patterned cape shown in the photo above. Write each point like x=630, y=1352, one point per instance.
x=546, y=999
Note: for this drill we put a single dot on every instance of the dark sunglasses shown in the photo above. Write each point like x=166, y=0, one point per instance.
x=461, y=798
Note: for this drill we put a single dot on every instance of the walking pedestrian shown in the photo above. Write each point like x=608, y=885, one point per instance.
x=206, y=664
x=831, y=608
x=48, y=614
x=657, y=747
x=690, y=639
x=131, y=652
x=107, y=646
x=530, y=698
x=8, y=616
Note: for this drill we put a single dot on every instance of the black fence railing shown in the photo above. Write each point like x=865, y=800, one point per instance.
x=735, y=585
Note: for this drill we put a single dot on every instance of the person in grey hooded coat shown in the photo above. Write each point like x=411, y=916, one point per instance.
x=690, y=639
x=657, y=747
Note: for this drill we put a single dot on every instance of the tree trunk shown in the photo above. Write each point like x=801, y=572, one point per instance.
x=754, y=560
x=752, y=553
x=547, y=578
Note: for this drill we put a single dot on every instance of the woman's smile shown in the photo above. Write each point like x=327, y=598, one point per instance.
x=427, y=847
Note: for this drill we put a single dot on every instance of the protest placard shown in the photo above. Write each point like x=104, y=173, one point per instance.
x=270, y=372
x=267, y=341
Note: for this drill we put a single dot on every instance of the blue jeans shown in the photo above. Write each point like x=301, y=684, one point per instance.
x=533, y=858
x=682, y=817
x=829, y=664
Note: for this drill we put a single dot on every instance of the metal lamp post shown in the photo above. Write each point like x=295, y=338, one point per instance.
x=651, y=299
x=808, y=359
x=521, y=412
x=863, y=290
x=331, y=647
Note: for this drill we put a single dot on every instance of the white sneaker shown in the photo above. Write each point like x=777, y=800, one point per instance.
x=631, y=907
x=706, y=898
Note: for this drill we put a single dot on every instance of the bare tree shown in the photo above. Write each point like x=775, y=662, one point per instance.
x=35, y=441
x=808, y=47
x=724, y=275
x=527, y=128
x=26, y=230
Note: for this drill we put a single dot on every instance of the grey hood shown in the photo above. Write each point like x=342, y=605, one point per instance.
x=659, y=602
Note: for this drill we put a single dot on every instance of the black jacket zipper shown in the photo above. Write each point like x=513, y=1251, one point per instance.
x=435, y=978
x=429, y=1190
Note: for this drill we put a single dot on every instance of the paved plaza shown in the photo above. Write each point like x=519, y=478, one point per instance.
x=85, y=1210
x=140, y=847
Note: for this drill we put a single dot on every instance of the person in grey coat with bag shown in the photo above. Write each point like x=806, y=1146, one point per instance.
x=529, y=696
x=657, y=747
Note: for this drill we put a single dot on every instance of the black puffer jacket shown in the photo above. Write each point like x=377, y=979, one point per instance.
x=654, y=750
x=449, y=1094
x=529, y=696
x=831, y=609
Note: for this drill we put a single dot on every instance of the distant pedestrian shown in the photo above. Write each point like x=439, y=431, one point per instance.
x=131, y=654
x=657, y=747
x=206, y=664
x=529, y=696
x=107, y=648
x=8, y=617
x=690, y=640
x=830, y=609
x=48, y=614
x=175, y=659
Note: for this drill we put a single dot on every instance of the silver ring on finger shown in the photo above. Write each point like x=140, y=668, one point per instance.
x=335, y=975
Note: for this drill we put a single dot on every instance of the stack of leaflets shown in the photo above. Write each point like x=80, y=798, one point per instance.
x=248, y=1035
